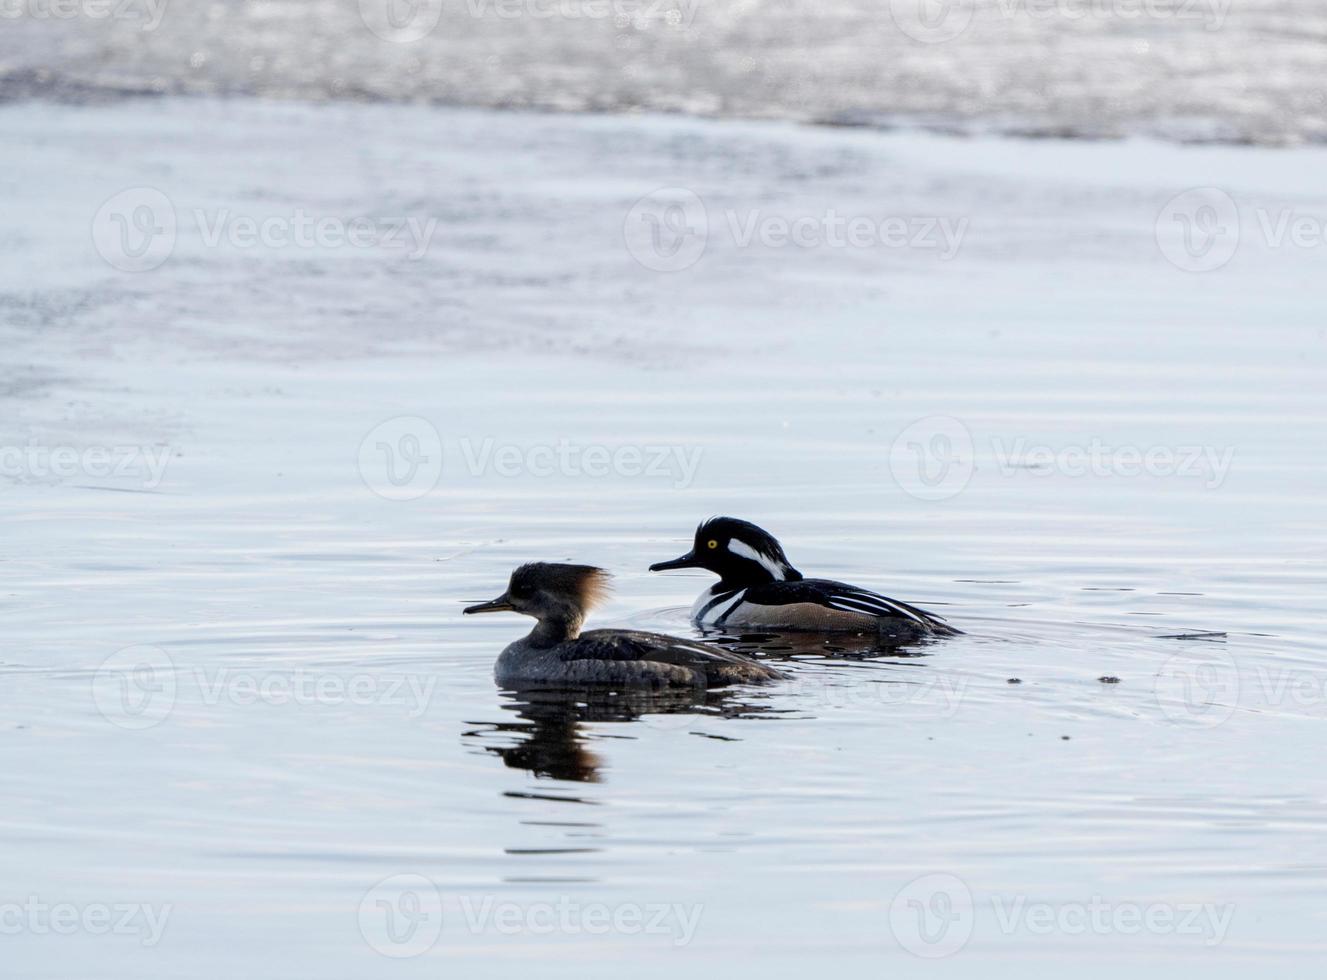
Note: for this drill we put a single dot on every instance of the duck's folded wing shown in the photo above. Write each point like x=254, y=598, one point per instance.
x=636, y=645
x=703, y=664
x=845, y=598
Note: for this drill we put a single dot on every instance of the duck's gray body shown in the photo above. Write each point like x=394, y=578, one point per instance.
x=623, y=658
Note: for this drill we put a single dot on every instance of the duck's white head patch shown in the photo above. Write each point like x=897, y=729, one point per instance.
x=771, y=564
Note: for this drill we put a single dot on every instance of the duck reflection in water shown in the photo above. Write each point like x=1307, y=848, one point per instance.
x=789, y=646
x=553, y=737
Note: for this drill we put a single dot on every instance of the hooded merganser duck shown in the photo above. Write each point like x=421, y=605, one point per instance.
x=558, y=654
x=758, y=588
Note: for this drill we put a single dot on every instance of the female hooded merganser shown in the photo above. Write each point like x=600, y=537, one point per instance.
x=758, y=588
x=558, y=654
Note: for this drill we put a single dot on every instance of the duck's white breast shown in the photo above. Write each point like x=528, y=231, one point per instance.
x=700, y=615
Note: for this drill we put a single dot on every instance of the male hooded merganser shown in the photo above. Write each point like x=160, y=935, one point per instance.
x=558, y=654
x=758, y=588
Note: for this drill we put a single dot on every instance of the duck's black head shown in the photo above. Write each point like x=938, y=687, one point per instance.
x=740, y=553
x=550, y=591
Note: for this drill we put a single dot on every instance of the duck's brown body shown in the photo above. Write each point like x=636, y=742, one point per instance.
x=557, y=654
x=626, y=658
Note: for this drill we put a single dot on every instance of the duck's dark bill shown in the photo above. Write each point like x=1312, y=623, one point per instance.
x=500, y=604
x=686, y=561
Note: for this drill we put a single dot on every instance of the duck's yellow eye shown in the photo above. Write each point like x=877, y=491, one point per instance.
x=712, y=544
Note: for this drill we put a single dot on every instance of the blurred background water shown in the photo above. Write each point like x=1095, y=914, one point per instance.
x=1066, y=393
x=1190, y=70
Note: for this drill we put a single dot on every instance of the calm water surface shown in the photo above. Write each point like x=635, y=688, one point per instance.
x=317, y=719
